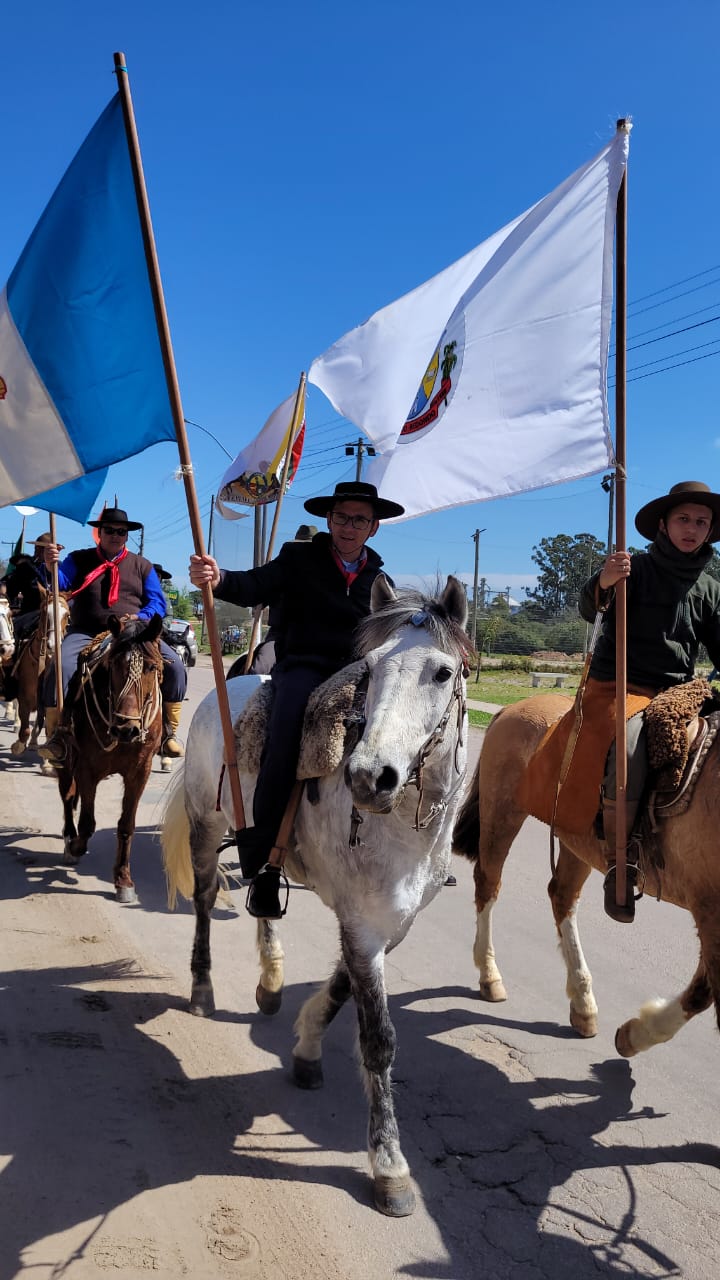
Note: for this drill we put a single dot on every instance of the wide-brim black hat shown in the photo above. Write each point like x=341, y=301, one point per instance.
x=355, y=491
x=648, y=517
x=114, y=515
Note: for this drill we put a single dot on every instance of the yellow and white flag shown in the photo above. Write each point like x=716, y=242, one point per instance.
x=255, y=476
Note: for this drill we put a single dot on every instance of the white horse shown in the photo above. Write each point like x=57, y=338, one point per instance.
x=376, y=869
x=7, y=640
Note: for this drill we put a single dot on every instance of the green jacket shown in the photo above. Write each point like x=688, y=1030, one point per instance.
x=673, y=606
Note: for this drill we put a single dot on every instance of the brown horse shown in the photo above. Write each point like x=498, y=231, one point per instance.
x=31, y=659
x=114, y=709
x=685, y=847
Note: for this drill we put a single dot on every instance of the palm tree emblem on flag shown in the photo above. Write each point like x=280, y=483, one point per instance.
x=433, y=397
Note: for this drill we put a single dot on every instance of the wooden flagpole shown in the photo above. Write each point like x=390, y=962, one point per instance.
x=55, y=581
x=186, y=467
x=292, y=436
x=621, y=531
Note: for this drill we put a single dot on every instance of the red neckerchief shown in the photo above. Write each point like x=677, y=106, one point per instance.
x=112, y=565
x=349, y=574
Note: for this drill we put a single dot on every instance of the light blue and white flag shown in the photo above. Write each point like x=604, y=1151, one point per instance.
x=82, y=383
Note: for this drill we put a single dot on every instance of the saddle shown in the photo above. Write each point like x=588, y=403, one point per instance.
x=667, y=742
x=333, y=716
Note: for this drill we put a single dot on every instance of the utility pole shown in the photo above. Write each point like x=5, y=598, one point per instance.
x=476, y=540
x=362, y=448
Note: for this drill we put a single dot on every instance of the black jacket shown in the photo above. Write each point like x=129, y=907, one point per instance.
x=320, y=611
x=23, y=580
x=673, y=607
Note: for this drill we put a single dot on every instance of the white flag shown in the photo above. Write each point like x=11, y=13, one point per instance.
x=254, y=478
x=513, y=341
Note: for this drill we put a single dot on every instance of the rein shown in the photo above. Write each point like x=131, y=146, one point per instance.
x=416, y=775
x=149, y=706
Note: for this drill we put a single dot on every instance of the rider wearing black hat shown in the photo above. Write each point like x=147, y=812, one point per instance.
x=324, y=586
x=110, y=579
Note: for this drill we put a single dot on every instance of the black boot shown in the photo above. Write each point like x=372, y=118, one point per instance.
x=623, y=912
x=263, y=895
x=253, y=847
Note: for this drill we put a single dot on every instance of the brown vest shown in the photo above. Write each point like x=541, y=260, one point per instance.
x=90, y=609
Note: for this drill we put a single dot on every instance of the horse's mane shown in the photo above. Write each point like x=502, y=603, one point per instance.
x=411, y=607
x=131, y=634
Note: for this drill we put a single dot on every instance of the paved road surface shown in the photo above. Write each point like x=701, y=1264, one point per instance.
x=137, y=1139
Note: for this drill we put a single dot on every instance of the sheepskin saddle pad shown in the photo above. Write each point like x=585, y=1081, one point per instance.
x=673, y=725
x=332, y=716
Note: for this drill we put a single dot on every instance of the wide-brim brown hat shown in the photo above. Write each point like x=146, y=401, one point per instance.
x=355, y=491
x=114, y=515
x=42, y=541
x=648, y=517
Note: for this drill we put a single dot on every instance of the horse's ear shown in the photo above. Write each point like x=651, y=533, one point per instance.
x=454, y=601
x=154, y=627
x=381, y=593
x=114, y=624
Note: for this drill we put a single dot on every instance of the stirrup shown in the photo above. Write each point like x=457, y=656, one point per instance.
x=57, y=748
x=623, y=912
x=263, y=895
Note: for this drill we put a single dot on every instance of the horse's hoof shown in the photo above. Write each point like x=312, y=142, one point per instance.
x=18, y=748
x=125, y=893
x=394, y=1197
x=47, y=770
x=494, y=991
x=166, y=764
x=268, y=1002
x=585, y=1024
x=308, y=1074
x=202, y=1001
x=623, y=1040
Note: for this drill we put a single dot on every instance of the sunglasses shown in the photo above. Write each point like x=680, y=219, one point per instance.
x=117, y=529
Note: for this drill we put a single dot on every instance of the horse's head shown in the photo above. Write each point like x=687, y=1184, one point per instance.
x=46, y=620
x=7, y=637
x=134, y=666
x=416, y=651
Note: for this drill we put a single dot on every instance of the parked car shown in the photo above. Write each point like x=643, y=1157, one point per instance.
x=181, y=636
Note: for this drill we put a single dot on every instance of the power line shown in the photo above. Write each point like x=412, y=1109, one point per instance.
x=666, y=288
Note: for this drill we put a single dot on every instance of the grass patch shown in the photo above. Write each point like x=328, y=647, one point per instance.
x=505, y=687
x=480, y=719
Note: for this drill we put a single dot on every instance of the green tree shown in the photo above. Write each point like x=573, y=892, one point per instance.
x=565, y=563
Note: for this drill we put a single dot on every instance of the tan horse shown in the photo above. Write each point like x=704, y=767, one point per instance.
x=29, y=668
x=489, y=821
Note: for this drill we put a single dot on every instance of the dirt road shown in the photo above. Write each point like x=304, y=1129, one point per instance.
x=137, y=1139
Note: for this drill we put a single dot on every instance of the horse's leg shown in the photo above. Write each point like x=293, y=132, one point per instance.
x=23, y=726
x=86, y=786
x=499, y=825
x=312, y=1022
x=133, y=786
x=270, y=987
x=564, y=891
x=204, y=854
x=393, y=1190
x=659, y=1020
x=39, y=721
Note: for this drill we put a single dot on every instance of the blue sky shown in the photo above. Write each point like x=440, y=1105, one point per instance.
x=308, y=164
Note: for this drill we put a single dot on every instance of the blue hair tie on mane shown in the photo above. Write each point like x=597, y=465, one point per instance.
x=420, y=618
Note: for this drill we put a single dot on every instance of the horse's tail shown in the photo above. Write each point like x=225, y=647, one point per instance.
x=175, y=842
x=466, y=833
